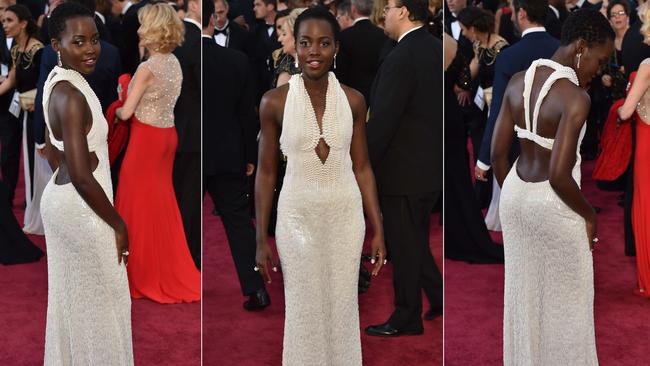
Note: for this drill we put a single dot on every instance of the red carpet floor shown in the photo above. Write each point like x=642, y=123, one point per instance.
x=234, y=337
x=162, y=334
x=474, y=299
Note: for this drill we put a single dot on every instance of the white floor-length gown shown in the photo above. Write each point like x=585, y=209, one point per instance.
x=549, y=283
x=320, y=231
x=88, y=303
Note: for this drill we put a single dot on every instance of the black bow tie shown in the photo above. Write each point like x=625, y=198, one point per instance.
x=452, y=18
x=222, y=31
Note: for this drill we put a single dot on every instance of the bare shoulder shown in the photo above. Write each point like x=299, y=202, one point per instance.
x=272, y=103
x=66, y=95
x=515, y=86
x=355, y=98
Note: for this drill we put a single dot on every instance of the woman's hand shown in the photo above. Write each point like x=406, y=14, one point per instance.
x=264, y=260
x=122, y=244
x=591, y=224
x=378, y=253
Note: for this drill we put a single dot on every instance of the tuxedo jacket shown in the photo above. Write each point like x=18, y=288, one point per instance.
x=103, y=81
x=510, y=61
x=633, y=48
x=187, y=112
x=404, y=131
x=264, y=47
x=130, y=52
x=358, y=59
x=241, y=40
x=229, y=122
x=553, y=23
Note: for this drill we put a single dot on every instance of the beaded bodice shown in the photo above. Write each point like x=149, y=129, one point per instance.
x=97, y=136
x=301, y=135
x=156, y=107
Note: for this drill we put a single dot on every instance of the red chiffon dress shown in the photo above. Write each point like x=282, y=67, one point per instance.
x=160, y=265
x=641, y=199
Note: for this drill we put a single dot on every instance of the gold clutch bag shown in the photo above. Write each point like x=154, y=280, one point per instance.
x=27, y=99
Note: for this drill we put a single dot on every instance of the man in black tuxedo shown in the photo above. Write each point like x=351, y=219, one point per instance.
x=360, y=45
x=130, y=52
x=229, y=151
x=103, y=81
x=230, y=34
x=266, y=41
x=187, y=116
x=555, y=17
x=528, y=17
x=11, y=129
x=405, y=148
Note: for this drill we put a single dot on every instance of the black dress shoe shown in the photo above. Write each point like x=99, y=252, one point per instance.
x=432, y=314
x=258, y=301
x=386, y=330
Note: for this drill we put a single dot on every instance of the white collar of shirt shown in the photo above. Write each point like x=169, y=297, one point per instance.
x=455, y=28
x=555, y=11
x=206, y=36
x=580, y=3
x=359, y=19
x=407, y=32
x=269, y=29
x=126, y=7
x=9, y=40
x=190, y=20
x=533, y=29
x=101, y=17
x=224, y=26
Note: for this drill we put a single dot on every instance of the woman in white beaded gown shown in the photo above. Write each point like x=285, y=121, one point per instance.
x=320, y=126
x=89, y=307
x=549, y=228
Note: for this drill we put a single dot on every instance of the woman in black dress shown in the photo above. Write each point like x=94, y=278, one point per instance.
x=466, y=236
x=18, y=23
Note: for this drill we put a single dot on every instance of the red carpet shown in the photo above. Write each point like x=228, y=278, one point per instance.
x=162, y=334
x=474, y=298
x=234, y=337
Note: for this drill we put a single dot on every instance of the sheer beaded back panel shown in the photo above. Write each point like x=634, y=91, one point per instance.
x=156, y=107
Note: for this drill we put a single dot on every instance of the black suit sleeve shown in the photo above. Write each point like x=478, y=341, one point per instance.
x=391, y=99
x=246, y=112
x=48, y=61
x=115, y=71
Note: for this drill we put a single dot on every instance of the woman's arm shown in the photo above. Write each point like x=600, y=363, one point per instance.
x=365, y=177
x=267, y=170
x=9, y=83
x=563, y=157
x=142, y=79
x=283, y=78
x=639, y=87
x=69, y=107
x=502, y=137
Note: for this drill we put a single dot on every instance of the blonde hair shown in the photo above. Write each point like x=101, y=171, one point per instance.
x=644, y=16
x=377, y=17
x=160, y=27
x=290, y=20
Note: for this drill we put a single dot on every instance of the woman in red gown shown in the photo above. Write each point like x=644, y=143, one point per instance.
x=638, y=100
x=160, y=265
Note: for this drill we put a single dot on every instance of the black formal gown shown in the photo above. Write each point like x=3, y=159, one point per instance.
x=15, y=247
x=466, y=236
